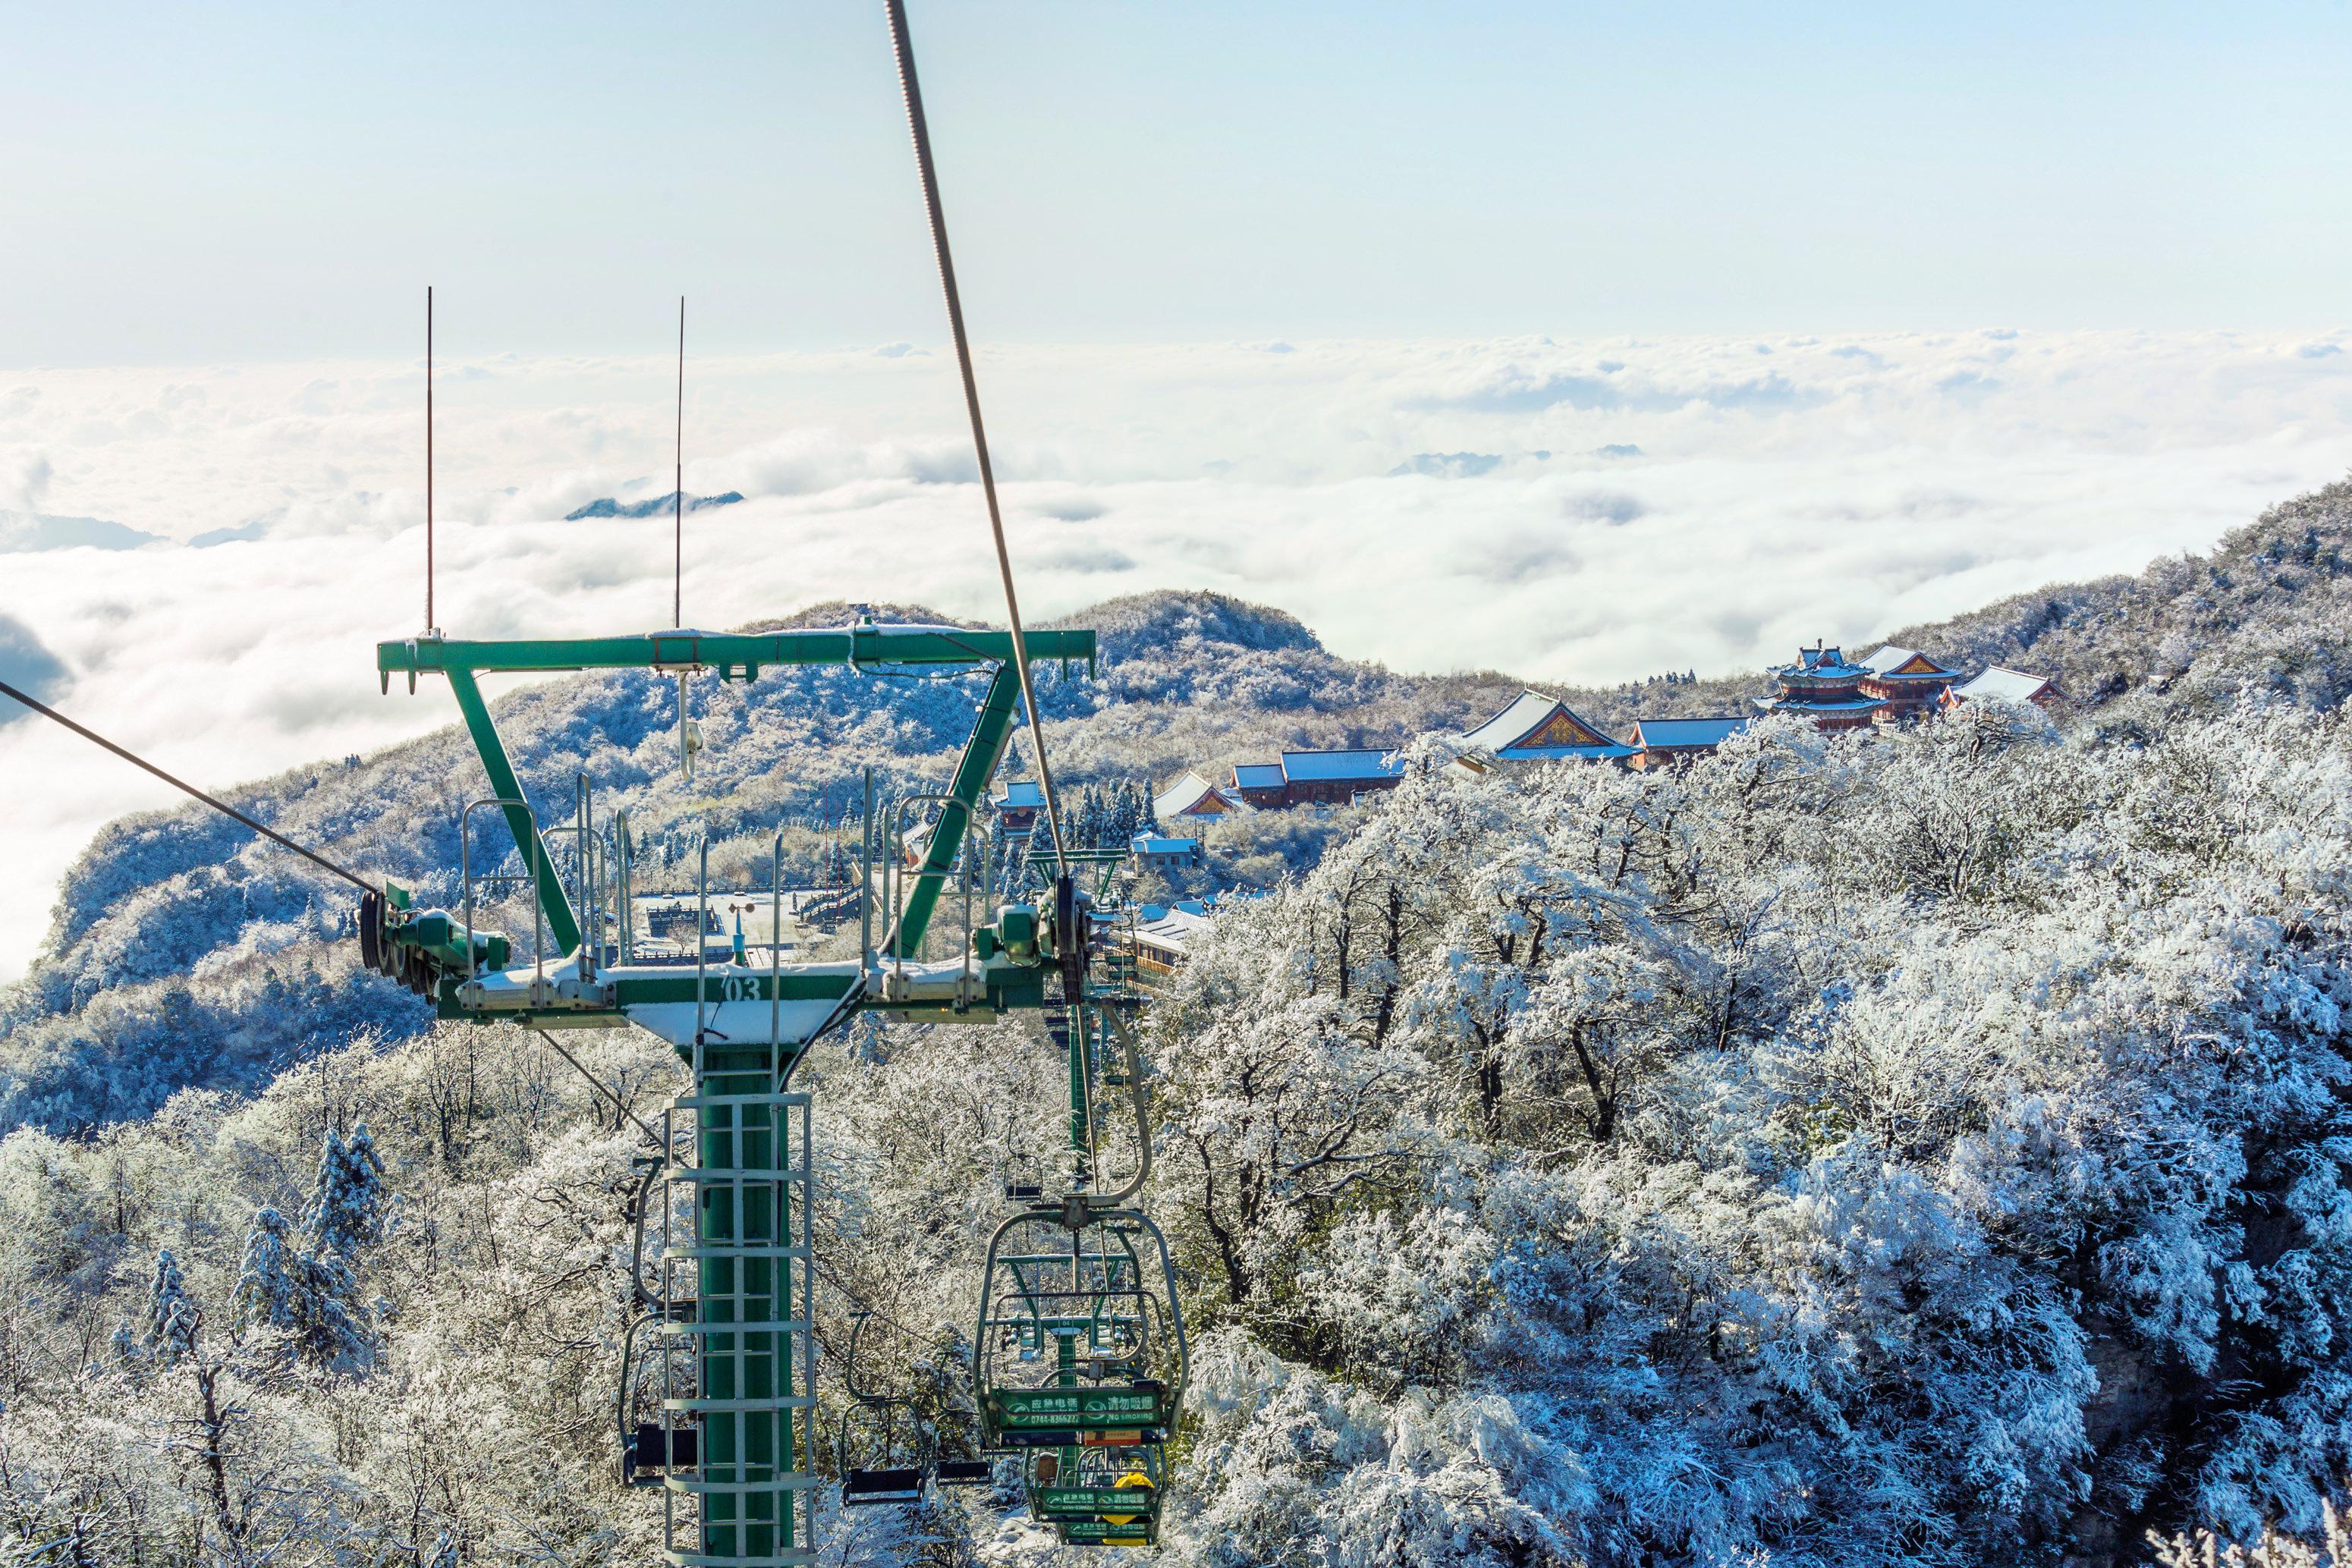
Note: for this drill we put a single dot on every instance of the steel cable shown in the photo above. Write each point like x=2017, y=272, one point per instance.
x=183, y=785
x=913, y=91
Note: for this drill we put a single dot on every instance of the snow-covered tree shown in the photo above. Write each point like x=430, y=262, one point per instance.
x=171, y=1318
x=295, y=1305
x=348, y=1204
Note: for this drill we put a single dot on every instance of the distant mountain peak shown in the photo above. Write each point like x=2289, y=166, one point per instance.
x=23, y=533
x=653, y=508
x=1174, y=616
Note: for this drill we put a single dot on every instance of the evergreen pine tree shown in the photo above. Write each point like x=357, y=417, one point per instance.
x=347, y=1209
x=304, y=1306
x=171, y=1329
x=271, y=1284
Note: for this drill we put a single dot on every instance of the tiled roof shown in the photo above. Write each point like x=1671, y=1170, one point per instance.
x=1532, y=713
x=1146, y=845
x=1525, y=713
x=1828, y=664
x=2011, y=686
x=1257, y=775
x=1338, y=766
x=1687, y=731
x=1183, y=795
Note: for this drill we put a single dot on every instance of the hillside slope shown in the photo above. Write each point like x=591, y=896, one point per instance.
x=1927, y=1150
x=2270, y=609
x=179, y=916
x=176, y=936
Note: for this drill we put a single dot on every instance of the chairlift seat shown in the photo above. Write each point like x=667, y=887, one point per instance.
x=964, y=1472
x=646, y=1453
x=861, y=1489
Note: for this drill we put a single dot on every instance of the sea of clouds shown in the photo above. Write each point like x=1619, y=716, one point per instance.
x=198, y=562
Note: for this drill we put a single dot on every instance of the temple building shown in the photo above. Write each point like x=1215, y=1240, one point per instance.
x=1336, y=778
x=1260, y=783
x=1537, y=729
x=2009, y=685
x=1825, y=688
x=1665, y=742
x=1316, y=778
x=1192, y=796
x=1018, y=807
x=1154, y=852
x=1159, y=940
x=1909, y=682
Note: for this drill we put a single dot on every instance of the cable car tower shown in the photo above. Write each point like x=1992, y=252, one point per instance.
x=1079, y=1360
x=1080, y=1356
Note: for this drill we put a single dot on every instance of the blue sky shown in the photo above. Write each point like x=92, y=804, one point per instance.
x=1580, y=342
x=215, y=183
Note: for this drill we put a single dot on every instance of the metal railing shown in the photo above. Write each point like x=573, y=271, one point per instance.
x=532, y=858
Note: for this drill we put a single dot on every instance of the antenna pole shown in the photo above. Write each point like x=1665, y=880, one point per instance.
x=428, y=457
x=677, y=486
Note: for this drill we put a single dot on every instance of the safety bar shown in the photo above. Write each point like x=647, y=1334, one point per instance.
x=585, y=844
x=895, y=876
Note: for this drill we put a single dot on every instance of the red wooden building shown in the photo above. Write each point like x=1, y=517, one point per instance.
x=1907, y=681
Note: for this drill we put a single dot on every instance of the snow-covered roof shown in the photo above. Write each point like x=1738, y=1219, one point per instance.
x=1173, y=929
x=1687, y=731
x=1151, y=844
x=1257, y=775
x=1189, y=794
x=1338, y=766
x=1022, y=795
x=1525, y=713
x=2010, y=685
x=1888, y=662
x=1535, y=725
x=1811, y=705
x=1827, y=663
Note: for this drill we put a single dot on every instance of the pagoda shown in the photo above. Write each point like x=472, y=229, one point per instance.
x=1825, y=688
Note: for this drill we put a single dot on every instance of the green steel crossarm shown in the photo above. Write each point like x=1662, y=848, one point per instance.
x=505, y=786
x=981, y=754
x=731, y=654
x=736, y=655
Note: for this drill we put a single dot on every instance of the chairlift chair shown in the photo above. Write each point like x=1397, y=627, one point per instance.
x=1100, y=1496
x=1080, y=1341
x=884, y=1430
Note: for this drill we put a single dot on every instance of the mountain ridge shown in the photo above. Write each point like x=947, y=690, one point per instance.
x=1187, y=678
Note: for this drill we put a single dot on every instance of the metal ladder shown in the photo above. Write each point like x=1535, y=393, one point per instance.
x=738, y=1354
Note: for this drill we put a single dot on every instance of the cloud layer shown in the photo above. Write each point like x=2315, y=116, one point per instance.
x=1569, y=511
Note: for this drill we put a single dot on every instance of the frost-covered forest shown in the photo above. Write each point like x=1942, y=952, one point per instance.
x=1919, y=1149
